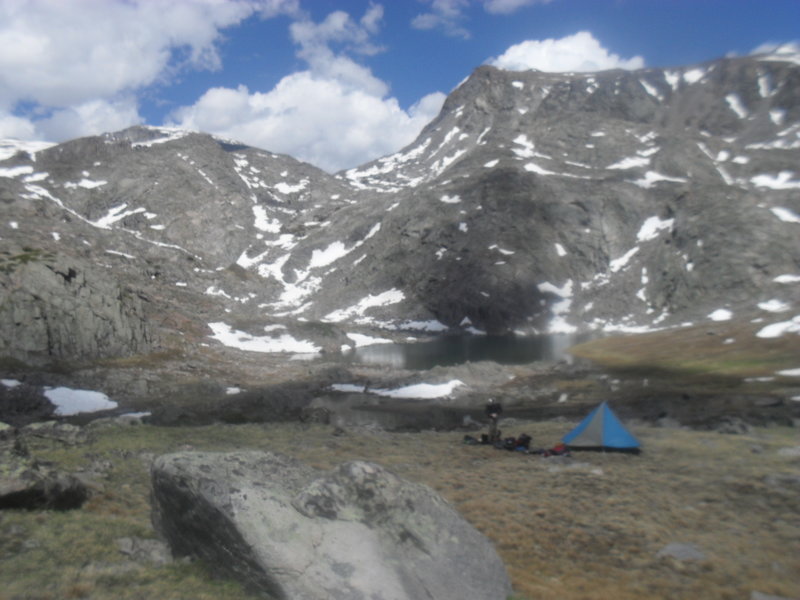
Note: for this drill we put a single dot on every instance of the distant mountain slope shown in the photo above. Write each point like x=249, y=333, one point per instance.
x=533, y=202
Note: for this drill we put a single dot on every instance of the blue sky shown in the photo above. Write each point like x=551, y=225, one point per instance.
x=335, y=83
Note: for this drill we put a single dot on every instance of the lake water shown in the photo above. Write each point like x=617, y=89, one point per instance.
x=454, y=350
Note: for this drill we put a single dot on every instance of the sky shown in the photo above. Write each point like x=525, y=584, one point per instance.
x=336, y=83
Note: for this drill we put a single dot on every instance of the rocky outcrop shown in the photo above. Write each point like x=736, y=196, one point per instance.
x=57, y=307
x=21, y=403
x=27, y=484
x=293, y=532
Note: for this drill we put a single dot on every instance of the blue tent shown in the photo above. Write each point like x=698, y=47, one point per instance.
x=601, y=430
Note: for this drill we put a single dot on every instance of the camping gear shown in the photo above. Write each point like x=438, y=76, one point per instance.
x=559, y=449
x=601, y=430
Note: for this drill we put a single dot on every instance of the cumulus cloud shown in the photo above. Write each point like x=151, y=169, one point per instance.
x=88, y=118
x=321, y=121
x=87, y=58
x=450, y=15
x=335, y=114
x=447, y=15
x=12, y=126
x=580, y=52
x=785, y=48
x=506, y=7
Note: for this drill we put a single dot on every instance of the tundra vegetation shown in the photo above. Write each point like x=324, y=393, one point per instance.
x=587, y=527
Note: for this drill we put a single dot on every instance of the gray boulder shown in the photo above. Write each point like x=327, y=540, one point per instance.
x=291, y=531
x=682, y=552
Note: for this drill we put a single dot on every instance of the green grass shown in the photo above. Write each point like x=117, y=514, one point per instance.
x=719, y=350
x=11, y=262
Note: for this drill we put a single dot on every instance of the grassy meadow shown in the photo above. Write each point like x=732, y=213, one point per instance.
x=585, y=528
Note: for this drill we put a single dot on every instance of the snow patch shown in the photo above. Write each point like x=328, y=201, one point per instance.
x=736, y=105
x=651, y=178
x=631, y=162
x=73, y=402
x=88, y=184
x=527, y=146
x=12, y=172
x=781, y=181
x=386, y=298
x=620, y=263
x=774, y=306
x=9, y=147
x=652, y=227
x=365, y=340
x=776, y=330
x=651, y=89
x=450, y=199
x=501, y=250
x=786, y=215
x=721, y=314
x=286, y=188
x=693, y=75
x=322, y=258
x=250, y=343
x=787, y=278
x=777, y=116
x=117, y=213
x=421, y=390
x=561, y=308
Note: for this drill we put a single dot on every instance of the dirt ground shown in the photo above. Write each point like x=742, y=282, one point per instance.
x=588, y=527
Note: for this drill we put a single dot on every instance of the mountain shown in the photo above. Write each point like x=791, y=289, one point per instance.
x=534, y=202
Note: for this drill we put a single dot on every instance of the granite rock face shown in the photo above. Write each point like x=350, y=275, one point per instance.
x=357, y=532
x=533, y=202
x=55, y=307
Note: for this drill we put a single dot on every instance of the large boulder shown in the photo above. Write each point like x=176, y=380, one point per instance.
x=293, y=532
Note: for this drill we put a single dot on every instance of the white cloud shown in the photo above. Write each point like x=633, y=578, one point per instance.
x=449, y=15
x=89, y=118
x=296, y=118
x=16, y=127
x=335, y=115
x=578, y=52
x=506, y=7
x=787, y=48
x=445, y=14
x=338, y=27
x=85, y=59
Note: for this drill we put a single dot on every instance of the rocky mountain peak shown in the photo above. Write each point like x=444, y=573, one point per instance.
x=534, y=202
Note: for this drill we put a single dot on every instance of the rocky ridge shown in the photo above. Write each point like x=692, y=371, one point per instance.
x=534, y=202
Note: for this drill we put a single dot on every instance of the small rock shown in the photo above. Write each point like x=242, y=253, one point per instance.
x=759, y=596
x=317, y=414
x=103, y=569
x=71, y=435
x=793, y=452
x=682, y=552
x=731, y=425
x=668, y=423
x=145, y=550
